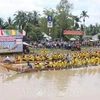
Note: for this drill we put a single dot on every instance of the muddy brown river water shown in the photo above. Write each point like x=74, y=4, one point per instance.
x=71, y=84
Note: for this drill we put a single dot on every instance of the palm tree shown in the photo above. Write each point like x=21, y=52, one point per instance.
x=32, y=17
x=36, y=16
x=84, y=15
x=76, y=22
x=1, y=23
x=20, y=19
x=9, y=22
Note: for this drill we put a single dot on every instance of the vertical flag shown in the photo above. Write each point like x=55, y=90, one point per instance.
x=2, y=32
x=7, y=33
x=23, y=33
x=17, y=32
x=13, y=32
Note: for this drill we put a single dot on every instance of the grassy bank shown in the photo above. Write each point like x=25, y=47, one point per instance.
x=54, y=50
x=51, y=50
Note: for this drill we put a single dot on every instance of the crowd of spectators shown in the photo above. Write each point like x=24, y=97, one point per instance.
x=73, y=45
x=58, y=44
x=92, y=44
x=69, y=45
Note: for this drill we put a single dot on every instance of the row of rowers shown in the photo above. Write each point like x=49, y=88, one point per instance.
x=57, y=56
x=72, y=63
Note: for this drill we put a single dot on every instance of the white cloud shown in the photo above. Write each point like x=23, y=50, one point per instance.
x=8, y=7
x=91, y=6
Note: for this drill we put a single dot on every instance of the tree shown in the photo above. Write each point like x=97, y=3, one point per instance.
x=84, y=15
x=33, y=32
x=20, y=19
x=32, y=17
x=9, y=24
x=9, y=21
x=1, y=23
x=43, y=24
x=50, y=11
x=99, y=37
x=76, y=22
x=10, y=27
x=64, y=15
x=92, y=29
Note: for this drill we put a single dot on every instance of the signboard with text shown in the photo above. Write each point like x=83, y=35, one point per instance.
x=68, y=32
x=49, y=21
x=10, y=44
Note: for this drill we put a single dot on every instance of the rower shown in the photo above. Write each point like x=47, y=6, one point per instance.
x=28, y=63
x=68, y=57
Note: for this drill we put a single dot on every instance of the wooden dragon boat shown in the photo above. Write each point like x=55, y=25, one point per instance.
x=9, y=67
x=26, y=70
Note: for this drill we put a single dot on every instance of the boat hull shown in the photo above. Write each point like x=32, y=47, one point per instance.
x=27, y=70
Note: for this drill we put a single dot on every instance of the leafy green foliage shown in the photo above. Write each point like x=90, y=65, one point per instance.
x=64, y=16
x=34, y=24
x=33, y=32
x=10, y=27
x=99, y=37
x=84, y=15
x=1, y=23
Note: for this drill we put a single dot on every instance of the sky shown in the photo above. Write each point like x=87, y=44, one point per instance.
x=9, y=7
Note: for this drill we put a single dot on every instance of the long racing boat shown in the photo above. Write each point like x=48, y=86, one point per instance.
x=26, y=69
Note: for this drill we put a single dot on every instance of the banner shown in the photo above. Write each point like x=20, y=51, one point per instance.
x=66, y=32
x=10, y=44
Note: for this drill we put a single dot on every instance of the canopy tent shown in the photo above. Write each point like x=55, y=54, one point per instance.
x=72, y=39
x=47, y=37
x=91, y=40
x=94, y=40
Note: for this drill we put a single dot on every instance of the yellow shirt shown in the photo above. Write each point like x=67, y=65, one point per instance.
x=44, y=53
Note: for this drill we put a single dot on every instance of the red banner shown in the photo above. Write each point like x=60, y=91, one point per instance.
x=66, y=32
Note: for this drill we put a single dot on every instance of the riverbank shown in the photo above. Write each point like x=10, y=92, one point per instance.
x=52, y=50
x=58, y=50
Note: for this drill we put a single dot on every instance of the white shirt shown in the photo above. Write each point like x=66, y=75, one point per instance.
x=7, y=58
